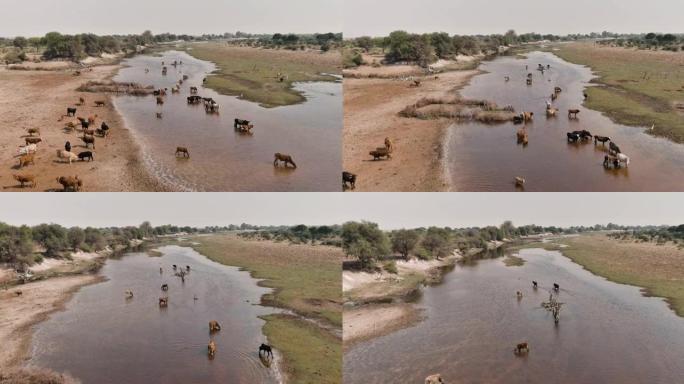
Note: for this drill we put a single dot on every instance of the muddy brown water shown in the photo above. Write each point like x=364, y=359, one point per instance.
x=485, y=157
x=101, y=337
x=222, y=159
x=608, y=332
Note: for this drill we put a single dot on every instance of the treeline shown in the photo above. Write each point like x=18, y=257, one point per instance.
x=367, y=243
x=665, y=41
x=325, y=41
x=657, y=234
x=55, y=45
x=27, y=245
x=424, y=49
x=298, y=234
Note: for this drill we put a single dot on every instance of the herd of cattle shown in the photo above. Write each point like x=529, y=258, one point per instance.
x=27, y=153
x=211, y=106
x=214, y=325
x=615, y=159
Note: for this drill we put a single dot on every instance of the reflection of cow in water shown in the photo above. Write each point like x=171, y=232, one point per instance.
x=211, y=348
x=268, y=351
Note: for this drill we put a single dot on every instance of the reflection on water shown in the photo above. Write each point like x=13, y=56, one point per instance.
x=484, y=157
x=222, y=159
x=608, y=333
x=102, y=337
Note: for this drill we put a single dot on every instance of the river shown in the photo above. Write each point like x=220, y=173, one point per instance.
x=608, y=332
x=102, y=337
x=485, y=157
x=222, y=159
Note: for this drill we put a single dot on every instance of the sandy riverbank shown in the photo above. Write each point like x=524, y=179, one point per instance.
x=21, y=312
x=371, y=107
x=37, y=99
x=377, y=302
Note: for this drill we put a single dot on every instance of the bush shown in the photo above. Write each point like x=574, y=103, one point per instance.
x=15, y=57
x=391, y=267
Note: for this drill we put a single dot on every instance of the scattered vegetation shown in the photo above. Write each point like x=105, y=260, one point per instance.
x=368, y=244
x=659, y=235
x=459, y=109
x=23, y=246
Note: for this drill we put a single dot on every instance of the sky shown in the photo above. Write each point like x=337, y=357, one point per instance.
x=468, y=17
x=389, y=210
x=37, y=17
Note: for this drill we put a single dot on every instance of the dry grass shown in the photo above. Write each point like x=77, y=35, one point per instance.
x=134, y=89
x=459, y=109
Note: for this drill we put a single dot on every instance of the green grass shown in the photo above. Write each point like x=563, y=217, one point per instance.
x=307, y=280
x=659, y=269
x=636, y=87
x=310, y=355
x=252, y=73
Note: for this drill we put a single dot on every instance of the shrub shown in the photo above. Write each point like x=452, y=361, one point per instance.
x=391, y=267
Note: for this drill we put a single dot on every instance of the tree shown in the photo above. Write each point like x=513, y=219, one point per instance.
x=16, y=244
x=442, y=44
x=52, y=237
x=400, y=47
x=404, y=241
x=510, y=37
x=436, y=241
x=75, y=237
x=364, y=42
x=364, y=241
x=20, y=42
x=146, y=229
x=423, y=51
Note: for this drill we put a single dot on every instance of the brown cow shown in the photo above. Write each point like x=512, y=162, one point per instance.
x=88, y=140
x=31, y=131
x=572, y=113
x=26, y=159
x=163, y=301
x=100, y=103
x=287, y=159
x=434, y=379
x=521, y=348
x=70, y=183
x=214, y=326
x=26, y=179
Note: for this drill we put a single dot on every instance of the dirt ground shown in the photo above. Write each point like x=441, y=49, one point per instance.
x=370, y=114
x=37, y=99
x=21, y=312
x=377, y=320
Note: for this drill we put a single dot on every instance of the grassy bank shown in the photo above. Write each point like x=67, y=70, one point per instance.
x=306, y=280
x=637, y=87
x=659, y=269
x=254, y=73
x=310, y=355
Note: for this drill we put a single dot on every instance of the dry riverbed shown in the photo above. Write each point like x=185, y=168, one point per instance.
x=373, y=97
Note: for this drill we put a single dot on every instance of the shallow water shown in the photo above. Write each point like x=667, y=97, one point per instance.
x=102, y=337
x=483, y=157
x=608, y=332
x=222, y=159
